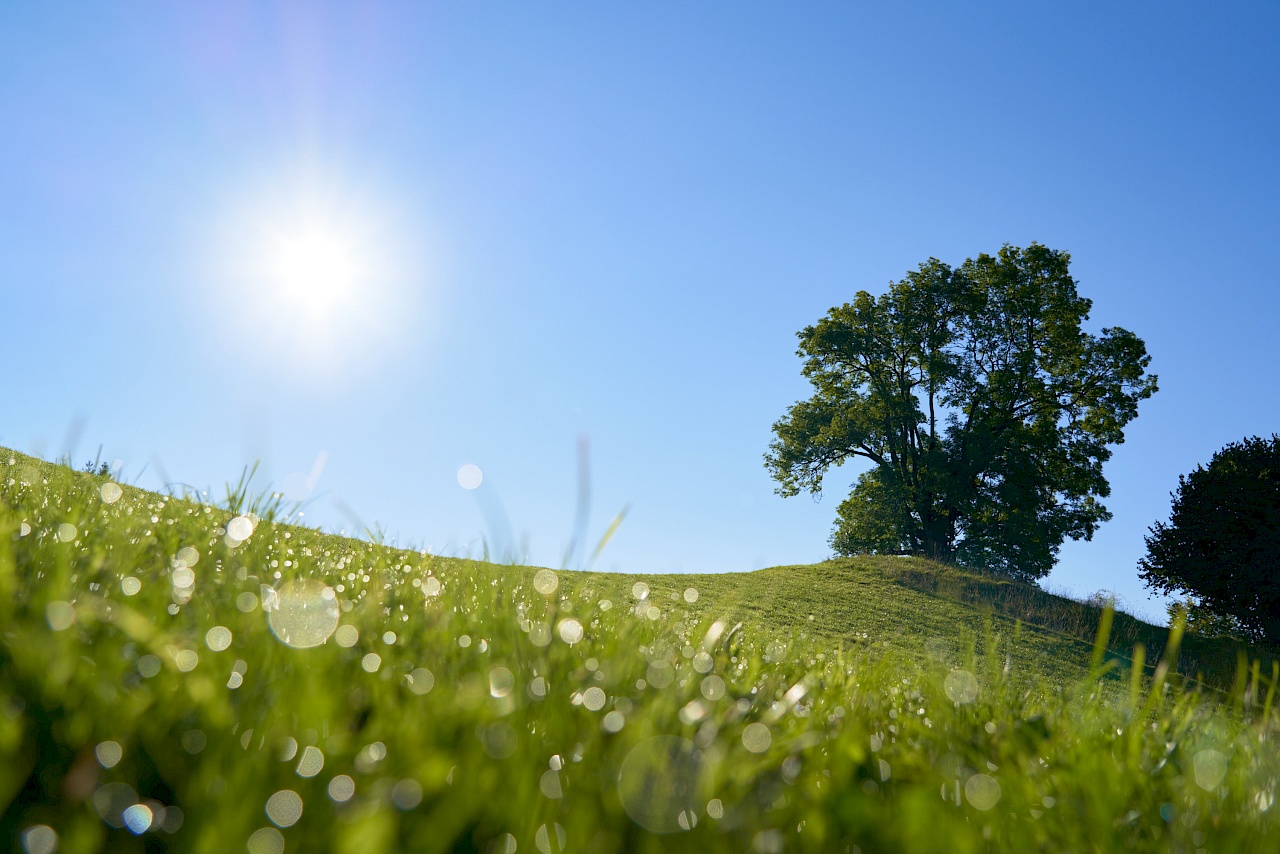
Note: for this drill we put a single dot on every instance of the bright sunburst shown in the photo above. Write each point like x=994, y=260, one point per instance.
x=315, y=277
x=316, y=269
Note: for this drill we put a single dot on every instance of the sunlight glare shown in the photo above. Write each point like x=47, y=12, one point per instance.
x=317, y=276
x=316, y=270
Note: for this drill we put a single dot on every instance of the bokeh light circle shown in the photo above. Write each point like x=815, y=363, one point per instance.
x=470, y=476
x=982, y=791
x=240, y=528
x=658, y=781
x=545, y=582
x=284, y=808
x=961, y=686
x=1210, y=768
x=305, y=615
x=756, y=738
x=266, y=840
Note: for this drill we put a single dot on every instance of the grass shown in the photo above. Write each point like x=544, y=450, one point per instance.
x=148, y=702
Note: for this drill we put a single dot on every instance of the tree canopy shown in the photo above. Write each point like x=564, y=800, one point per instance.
x=1222, y=541
x=984, y=411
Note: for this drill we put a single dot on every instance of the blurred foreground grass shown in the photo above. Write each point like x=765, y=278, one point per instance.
x=175, y=676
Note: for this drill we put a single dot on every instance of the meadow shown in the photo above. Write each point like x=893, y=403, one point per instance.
x=182, y=675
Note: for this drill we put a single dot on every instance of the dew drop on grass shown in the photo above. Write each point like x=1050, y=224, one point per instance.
x=961, y=686
x=431, y=586
x=549, y=784
x=23, y=530
x=659, y=780
x=420, y=681
x=406, y=794
x=246, y=602
x=982, y=791
x=756, y=738
x=570, y=631
x=288, y=748
x=311, y=763
x=346, y=636
x=186, y=660
x=371, y=662
x=284, y=808
x=137, y=819
x=539, y=634
x=713, y=687
x=594, y=698
x=545, y=582
x=505, y=844
x=108, y=753
x=501, y=681
x=640, y=590
x=690, y=595
x=342, y=788
x=693, y=711
x=266, y=840
x=188, y=555
x=148, y=666
x=305, y=613
x=369, y=756
x=40, y=839
x=613, y=721
x=660, y=674
x=715, y=808
x=110, y=492
x=130, y=586
x=703, y=662
x=542, y=839
x=1210, y=767
x=240, y=528
x=60, y=615
x=67, y=532
x=217, y=638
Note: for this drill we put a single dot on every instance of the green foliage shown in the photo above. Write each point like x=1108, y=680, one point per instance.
x=471, y=707
x=985, y=411
x=1202, y=621
x=1222, y=541
x=242, y=499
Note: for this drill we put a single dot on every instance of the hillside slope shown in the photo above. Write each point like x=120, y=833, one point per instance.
x=177, y=676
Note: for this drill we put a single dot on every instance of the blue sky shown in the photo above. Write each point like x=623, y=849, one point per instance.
x=592, y=220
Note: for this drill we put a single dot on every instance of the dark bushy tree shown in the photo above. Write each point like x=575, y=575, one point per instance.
x=1222, y=541
x=983, y=407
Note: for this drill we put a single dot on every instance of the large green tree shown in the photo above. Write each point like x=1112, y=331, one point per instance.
x=1222, y=541
x=983, y=408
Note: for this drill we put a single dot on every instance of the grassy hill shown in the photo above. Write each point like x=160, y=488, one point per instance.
x=179, y=676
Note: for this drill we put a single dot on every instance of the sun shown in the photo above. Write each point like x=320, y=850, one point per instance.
x=316, y=270
x=317, y=278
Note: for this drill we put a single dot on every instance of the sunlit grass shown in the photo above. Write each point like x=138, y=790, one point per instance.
x=180, y=676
